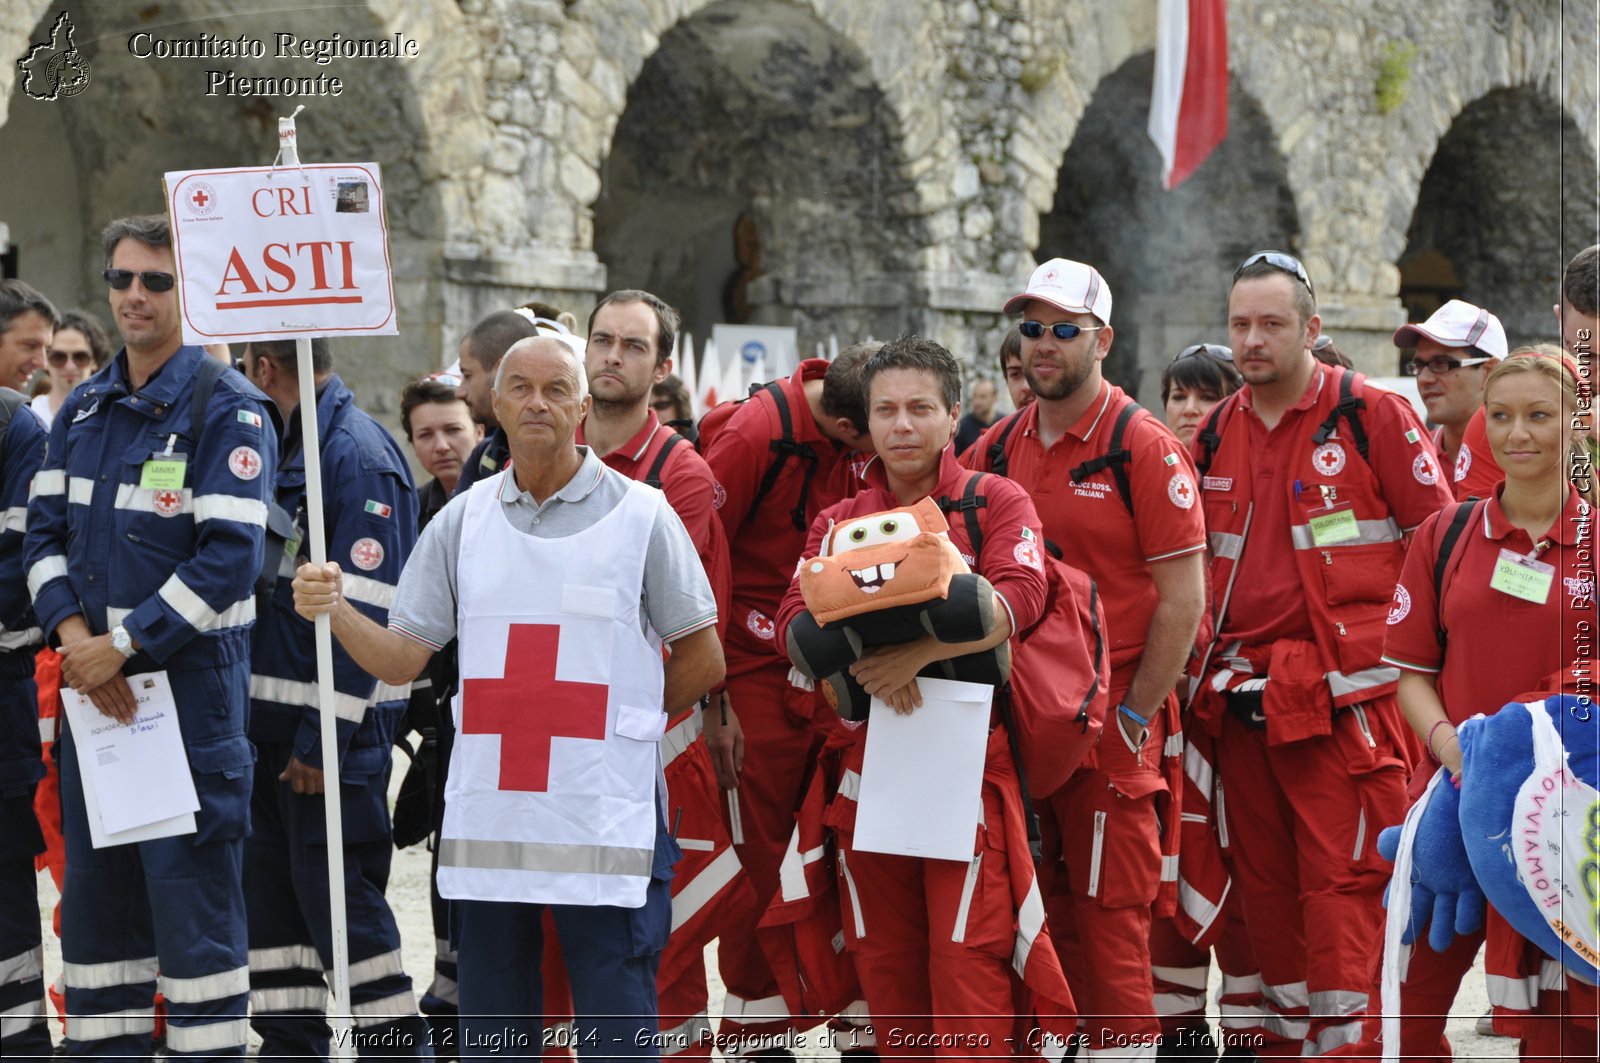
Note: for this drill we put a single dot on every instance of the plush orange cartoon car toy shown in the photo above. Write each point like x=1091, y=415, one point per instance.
x=888, y=578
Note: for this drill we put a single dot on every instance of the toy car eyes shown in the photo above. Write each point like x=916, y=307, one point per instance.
x=858, y=534
x=889, y=527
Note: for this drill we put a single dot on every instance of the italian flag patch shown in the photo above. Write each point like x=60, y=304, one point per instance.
x=252, y=419
x=1172, y=459
x=1412, y=435
x=378, y=508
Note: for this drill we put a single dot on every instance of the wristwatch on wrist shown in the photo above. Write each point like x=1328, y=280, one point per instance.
x=121, y=641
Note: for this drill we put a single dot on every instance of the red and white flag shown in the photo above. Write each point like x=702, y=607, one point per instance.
x=1189, y=99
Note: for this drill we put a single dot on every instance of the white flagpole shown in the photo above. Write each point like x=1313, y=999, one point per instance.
x=687, y=374
x=340, y=1017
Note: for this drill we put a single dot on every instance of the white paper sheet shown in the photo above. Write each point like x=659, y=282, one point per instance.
x=136, y=778
x=922, y=777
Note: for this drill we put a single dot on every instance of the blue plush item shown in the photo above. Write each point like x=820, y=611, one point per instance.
x=1497, y=758
x=1445, y=897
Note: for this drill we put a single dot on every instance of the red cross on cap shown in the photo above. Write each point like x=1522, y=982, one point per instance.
x=529, y=707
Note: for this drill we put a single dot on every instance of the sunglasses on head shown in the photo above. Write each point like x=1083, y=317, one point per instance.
x=1061, y=330
x=79, y=358
x=121, y=279
x=1278, y=260
x=1211, y=350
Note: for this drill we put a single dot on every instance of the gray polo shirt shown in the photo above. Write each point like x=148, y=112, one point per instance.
x=677, y=597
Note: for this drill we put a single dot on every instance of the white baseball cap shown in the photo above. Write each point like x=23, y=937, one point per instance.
x=1067, y=285
x=1458, y=324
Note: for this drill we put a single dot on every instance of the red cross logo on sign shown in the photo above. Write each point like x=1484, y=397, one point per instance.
x=530, y=707
x=200, y=197
x=203, y=198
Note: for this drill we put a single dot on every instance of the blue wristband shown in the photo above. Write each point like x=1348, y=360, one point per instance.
x=1134, y=716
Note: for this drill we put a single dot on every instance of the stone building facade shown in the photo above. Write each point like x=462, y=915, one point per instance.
x=856, y=167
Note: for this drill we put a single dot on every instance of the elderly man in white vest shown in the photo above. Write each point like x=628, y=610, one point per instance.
x=562, y=580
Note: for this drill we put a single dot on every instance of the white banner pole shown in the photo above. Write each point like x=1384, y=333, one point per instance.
x=340, y=1017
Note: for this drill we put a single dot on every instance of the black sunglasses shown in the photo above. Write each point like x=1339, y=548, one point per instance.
x=1061, y=330
x=121, y=279
x=60, y=358
x=1278, y=260
x=1214, y=351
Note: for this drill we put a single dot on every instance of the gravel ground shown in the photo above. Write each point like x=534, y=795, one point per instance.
x=408, y=892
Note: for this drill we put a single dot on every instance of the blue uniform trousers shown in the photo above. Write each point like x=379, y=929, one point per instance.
x=291, y=935
x=611, y=956
x=172, y=905
x=23, y=1030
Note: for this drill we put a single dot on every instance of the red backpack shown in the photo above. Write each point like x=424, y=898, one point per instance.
x=1055, y=704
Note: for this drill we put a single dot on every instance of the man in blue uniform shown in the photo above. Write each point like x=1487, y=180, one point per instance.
x=26, y=322
x=143, y=544
x=370, y=514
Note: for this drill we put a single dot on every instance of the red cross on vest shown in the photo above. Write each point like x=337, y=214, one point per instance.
x=529, y=707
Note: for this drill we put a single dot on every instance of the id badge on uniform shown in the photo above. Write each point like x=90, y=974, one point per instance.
x=1332, y=526
x=1522, y=577
x=163, y=472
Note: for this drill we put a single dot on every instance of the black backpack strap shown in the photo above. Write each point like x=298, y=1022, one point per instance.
x=205, y=382
x=1116, y=458
x=1459, y=522
x=1349, y=408
x=1210, y=437
x=653, y=477
x=11, y=400
x=998, y=462
x=1002, y=700
x=785, y=447
x=968, y=505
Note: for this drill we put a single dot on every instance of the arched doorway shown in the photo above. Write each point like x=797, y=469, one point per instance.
x=1506, y=201
x=1167, y=256
x=756, y=175
x=70, y=165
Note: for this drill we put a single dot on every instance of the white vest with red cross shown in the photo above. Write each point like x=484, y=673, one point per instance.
x=551, y=796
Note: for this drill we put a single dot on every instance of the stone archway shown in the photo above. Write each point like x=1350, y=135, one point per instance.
x=756, y=174
x=71, y=165
x=1167, y=256
x=1507, y=199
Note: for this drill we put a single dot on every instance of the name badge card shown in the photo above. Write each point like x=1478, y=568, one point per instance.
x=1334, y=526
x=163, y=472
x=1522, y=577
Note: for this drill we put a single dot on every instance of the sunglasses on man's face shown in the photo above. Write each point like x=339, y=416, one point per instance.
x=1210, y=350
x=1278, y=260
x=1440, y=366
x=59, y=359
x=1061, y=330
x=121, y=279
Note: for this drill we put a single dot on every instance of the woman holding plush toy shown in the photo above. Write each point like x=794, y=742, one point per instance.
x=1493, y=603
x=933, y=940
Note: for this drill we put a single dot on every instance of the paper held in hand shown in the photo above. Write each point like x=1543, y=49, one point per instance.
x=136, y=780
x=922, y=774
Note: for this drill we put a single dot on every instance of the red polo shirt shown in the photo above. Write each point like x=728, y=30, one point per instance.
x=1268, y=601
x=763, y=542
x=1497, y=646
x=1088, y=520
x=1477, y=474
x=1010, y=560
x=690, y=488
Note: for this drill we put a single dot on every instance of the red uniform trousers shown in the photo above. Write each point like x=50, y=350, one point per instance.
x=784, y=726
x=944, y=951
x=1210, y=916
x=1180, y=970
x=1303, y=818
x=1105, y=826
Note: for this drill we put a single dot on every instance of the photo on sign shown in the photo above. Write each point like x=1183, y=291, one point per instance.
x=351, y=198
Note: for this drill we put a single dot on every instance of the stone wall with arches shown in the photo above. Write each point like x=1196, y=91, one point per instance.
x=864, y=167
